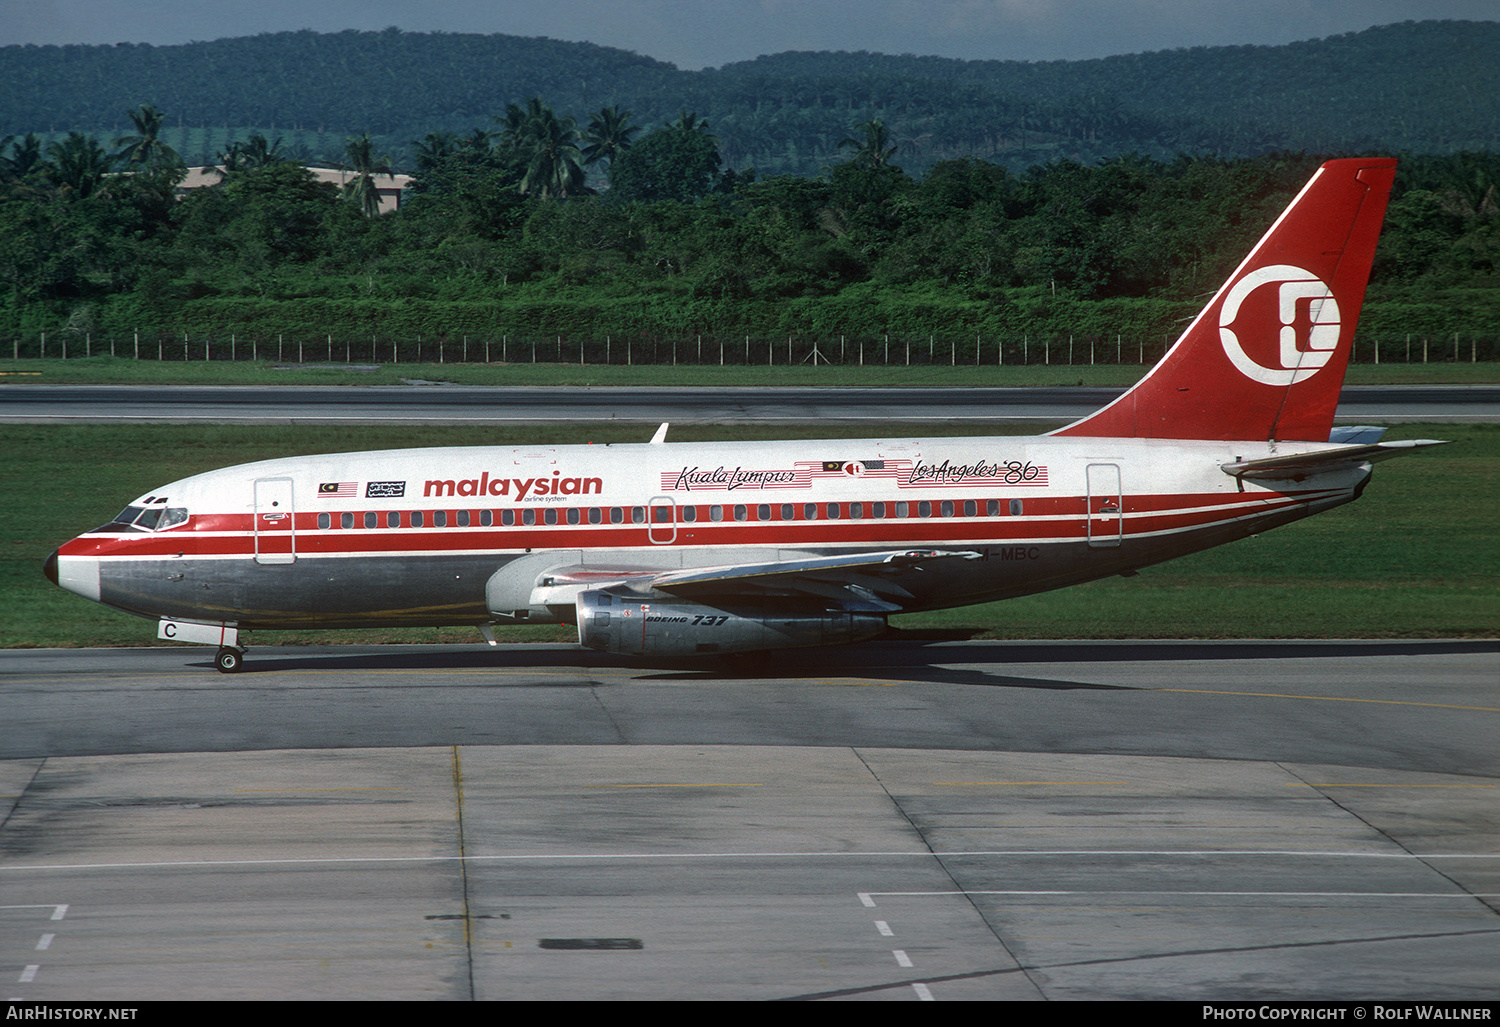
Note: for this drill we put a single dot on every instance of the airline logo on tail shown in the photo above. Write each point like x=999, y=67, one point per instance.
x=1266, y=358
x=1306, y=310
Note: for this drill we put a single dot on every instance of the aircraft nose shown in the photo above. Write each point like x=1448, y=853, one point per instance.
x=49, y=567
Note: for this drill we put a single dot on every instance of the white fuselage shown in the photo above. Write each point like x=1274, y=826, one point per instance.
x=469, y=535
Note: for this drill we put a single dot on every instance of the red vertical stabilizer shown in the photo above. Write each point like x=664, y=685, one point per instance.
x=1266, y=358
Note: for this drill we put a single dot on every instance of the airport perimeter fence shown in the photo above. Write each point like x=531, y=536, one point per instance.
x=702, y=350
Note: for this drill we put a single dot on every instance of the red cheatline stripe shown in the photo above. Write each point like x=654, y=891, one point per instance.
x=957, y=531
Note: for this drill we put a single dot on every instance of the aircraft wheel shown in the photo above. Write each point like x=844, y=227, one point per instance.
x=229, y=660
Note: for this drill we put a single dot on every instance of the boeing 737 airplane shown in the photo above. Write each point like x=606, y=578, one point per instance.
x=664, y=548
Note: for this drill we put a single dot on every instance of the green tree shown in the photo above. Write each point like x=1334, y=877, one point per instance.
x=545, y=147
x=25, y=155
x=679, y=163
x=608, y=135
x=873, y=149
x=76, y=166
x=255, y=152
x=362, y=161
x=145, y=148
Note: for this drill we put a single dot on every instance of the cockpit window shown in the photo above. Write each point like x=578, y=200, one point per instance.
x=146, y=518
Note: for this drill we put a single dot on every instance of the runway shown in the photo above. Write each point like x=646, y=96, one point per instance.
x=57, y=404
x=906, y=820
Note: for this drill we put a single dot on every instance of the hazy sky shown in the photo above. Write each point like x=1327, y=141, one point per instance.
x=697, y=33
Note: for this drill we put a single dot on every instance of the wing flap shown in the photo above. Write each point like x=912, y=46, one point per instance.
x=864, y=570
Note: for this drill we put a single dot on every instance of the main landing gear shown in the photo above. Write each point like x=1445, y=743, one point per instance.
x=229, y=660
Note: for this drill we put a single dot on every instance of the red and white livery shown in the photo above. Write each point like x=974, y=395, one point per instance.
x=667, y=548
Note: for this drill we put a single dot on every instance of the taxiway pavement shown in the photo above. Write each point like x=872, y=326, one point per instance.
x=1206, y=821
x=451, y=404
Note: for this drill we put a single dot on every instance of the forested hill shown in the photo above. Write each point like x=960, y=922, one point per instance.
x=1425, y=87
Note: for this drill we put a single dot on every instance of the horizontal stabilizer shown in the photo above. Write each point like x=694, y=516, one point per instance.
x=1298, y=466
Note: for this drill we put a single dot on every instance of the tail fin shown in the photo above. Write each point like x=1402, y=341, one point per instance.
x=1266, y=358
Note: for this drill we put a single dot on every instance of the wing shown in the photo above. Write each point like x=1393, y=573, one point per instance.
x=860, y=582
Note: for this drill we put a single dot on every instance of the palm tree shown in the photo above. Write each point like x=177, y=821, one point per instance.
x=548, y=148
x=25, y=154
x=875, y=150
x=365, y=165
x=254, y=152
x=77, y=165
x=608, y=135
x=431, y=150
x=145, y=148
x=688, y=122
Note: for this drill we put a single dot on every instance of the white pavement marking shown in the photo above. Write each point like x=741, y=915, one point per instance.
x=923, y=993
x=902, y=959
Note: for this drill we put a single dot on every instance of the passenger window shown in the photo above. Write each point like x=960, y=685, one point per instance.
x=877, y=509
x=346, y=520
x=787, y=511
x=549, y=515
x=393, y=519
x=507, y=517
x=572, y=515
x=833, y=511
x=463, y=518
x=924, y=509
x=616, y=515
x=638, y=514
x=970, y=508
x=763, y=512
x=1015, y=508
x=486, y=518
x=528, y=516
x=595, y=515
x=739, y=512
x=440, y=519
x=324, y=520
x=372, y=519
x=810, y=511
x=689, y=513
x=716, y=513
x=856, y=510
x=417, y=519
x=947, y=508
x=903, y=510
x=992, y=508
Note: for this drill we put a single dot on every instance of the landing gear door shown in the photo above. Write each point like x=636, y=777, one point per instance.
x=275, y=531
x=1106, y=506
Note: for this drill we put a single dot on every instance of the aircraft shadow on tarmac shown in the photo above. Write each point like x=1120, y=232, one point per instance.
x=920, y=659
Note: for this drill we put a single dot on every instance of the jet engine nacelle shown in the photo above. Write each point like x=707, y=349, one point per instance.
x=620, y=621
